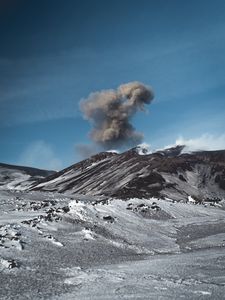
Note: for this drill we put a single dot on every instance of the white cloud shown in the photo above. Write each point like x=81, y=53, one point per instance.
x=40, y=155
x=204, y=142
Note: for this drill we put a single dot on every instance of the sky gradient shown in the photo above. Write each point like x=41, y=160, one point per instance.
x=55, y=53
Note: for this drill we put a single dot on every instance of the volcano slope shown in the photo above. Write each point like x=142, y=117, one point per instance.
x=56, y=243
x=163, y=174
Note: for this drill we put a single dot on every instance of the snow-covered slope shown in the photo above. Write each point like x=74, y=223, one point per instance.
x=55, y=246
x=19, y=177
x=164, y=174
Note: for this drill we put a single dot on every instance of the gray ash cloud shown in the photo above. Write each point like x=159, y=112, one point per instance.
x=110, y=113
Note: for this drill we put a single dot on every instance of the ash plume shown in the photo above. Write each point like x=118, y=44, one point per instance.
x=110, y=112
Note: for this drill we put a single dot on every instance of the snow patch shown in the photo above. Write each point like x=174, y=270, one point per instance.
x=204, y=293
x=113, y=151
x=191, y=200
x=88, y=234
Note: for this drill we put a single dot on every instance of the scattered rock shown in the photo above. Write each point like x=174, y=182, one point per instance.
x=141, y=205
x=155, y=206
x=12, y=264
x=129, y=206
x=35, y=205
x=8, y=264
x=109, y=219
x=66, y=209
x=10, y=237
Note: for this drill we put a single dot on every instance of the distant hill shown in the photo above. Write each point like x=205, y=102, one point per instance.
x=20, y=177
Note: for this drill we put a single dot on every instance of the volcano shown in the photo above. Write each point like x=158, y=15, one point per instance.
x=171, y=173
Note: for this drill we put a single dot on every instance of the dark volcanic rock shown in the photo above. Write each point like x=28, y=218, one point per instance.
x=220, y=180
x=167, y=173
x=108, y=218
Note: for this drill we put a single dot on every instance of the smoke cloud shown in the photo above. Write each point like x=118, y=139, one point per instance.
x=110, y=112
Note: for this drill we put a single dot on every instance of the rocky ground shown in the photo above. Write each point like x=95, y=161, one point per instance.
x=55, y=246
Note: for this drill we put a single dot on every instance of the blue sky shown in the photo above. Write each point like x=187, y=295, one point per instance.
x=54, y=53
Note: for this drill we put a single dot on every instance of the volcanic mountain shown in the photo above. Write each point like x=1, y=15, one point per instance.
x=169, y=173
x=104, y=245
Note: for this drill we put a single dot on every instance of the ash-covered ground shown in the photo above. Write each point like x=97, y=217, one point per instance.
x=54, y=246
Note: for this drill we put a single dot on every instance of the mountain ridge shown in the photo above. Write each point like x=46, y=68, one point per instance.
x=20, y=177
x=165, y=173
